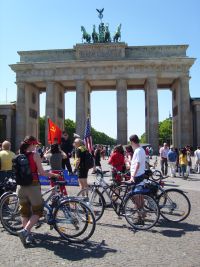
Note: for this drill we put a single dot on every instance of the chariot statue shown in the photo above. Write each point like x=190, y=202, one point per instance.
x=103, y=36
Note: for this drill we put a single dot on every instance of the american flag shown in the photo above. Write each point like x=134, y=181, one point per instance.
x=87, y=136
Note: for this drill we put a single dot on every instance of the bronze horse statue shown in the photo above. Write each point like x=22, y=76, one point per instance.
x=117, y=35
x=95, y=36
x=85, y=36
x=107, y=38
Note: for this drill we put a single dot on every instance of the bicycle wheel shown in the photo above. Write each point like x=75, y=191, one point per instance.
x=9, y=213
x=156, y=175
x=95, y=201
x=141, y=211
x=174, y=205
x=74, y=221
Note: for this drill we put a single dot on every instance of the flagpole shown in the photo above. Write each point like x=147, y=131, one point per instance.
x=49, y=130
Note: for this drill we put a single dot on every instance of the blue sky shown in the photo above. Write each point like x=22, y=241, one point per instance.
x=55, y=24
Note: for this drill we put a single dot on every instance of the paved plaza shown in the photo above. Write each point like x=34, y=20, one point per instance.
x=114, y=243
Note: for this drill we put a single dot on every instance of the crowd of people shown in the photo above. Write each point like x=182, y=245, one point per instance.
x=132, y=158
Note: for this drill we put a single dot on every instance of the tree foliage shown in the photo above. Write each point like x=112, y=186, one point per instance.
x=70, y=127
x=165, y=132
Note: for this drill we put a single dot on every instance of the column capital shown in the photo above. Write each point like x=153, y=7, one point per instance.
x=150, y=81
x=20, y=84
x=121, y=84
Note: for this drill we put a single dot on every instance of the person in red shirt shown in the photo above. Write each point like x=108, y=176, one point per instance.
x=117, y=161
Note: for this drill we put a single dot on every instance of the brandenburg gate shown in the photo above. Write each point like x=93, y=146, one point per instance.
x=104, y=66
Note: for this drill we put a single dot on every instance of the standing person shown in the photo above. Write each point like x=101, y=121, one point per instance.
x=80, y=168
x=151, y=152
x=138, y=160
x=189, y=160
x=197, y=159
x=137, y=173
x=30, y=198
x=117, y=161
x=6, y=157
x=97, y=158
x=128, y=156
x=67, y=147
x=172, y=158
x=163, y=158
x=55, y=156
x=183, y=162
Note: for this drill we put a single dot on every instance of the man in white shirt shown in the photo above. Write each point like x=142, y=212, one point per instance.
x=197, y=159
x=138, y=161
x=137, y=175
x=163, y=158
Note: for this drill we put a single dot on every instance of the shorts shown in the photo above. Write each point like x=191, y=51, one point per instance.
x=139, y=179
x=30, y=200
x=82, y=173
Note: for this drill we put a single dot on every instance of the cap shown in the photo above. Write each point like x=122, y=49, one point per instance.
x=171, y=146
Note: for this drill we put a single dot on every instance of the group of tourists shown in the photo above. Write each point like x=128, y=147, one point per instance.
x=178, y=161
x=129, y=158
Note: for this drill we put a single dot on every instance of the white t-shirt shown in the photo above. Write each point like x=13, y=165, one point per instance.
x=197, y=154
x=138, y=156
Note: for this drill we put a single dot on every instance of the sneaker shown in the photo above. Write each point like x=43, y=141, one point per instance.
x=23, y=235
x=29, y=239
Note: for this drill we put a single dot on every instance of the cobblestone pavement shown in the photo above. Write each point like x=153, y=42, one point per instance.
x=114, y=243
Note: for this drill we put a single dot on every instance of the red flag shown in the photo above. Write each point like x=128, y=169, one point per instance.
x=54, y=133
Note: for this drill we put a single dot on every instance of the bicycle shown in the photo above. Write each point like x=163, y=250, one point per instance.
x=98, y=193
x=124, y=201
x=173, y=203
x=69, y=216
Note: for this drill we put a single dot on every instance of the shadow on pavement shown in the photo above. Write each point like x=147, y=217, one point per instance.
x=71, y=251
x=175, y=229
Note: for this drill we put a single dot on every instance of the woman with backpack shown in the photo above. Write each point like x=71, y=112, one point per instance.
x=30, y=198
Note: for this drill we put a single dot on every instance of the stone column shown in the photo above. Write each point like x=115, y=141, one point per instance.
x=20, y=114
x=151, y=112
x=182, y=116
x=82, y=105
x=32, y=110
x=8, y=126
x=55, y=105
x=121, y=87
x=196, y=120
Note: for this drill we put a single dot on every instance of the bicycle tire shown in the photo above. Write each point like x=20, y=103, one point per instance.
x=148, y=213
x=156, y=175
x=95, y=201
x=9, y=213
x=169, y=210
x=75, y=213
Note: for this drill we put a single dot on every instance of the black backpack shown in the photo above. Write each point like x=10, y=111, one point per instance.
x=89, y=161
x=22, y=170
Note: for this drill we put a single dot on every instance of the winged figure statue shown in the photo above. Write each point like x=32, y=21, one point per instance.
x=100, y=11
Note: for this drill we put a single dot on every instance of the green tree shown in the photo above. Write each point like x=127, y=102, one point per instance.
x=70, y=127
x=165, y=132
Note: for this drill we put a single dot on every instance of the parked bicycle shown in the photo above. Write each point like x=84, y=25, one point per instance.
x=69, y=216
x=141, y=211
